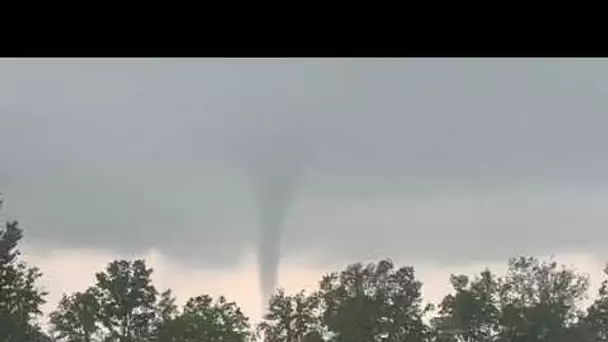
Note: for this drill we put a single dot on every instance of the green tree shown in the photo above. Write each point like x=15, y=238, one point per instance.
x=539, y=301
x=374, y=303
x=472, y=313
x=20, y=299
x=594, y=326
x=202, y=319
x=535, y=302
x=127, y=301
x=166, y=312
x=120, y=307
x=292, y=318
x=76, y=318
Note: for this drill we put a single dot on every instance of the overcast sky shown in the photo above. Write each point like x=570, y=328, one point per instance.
x=439, y=160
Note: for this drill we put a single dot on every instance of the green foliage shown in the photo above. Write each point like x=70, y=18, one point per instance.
x=472, y=313
x=292, y=318
x=166, y=312
x=533, y=302
x=127, y=301
x=202, y=319
x=76, y=317
x=124, y=306
x=374, y=303
x=20, y=299
x=594, y=325
x=540, y=300
x=121, y=306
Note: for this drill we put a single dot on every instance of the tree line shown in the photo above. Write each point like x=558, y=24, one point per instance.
x=534, y=301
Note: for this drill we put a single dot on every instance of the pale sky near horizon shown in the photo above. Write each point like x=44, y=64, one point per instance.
x=447, y=163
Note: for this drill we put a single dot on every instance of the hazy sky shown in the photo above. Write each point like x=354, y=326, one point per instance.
x=442, y=160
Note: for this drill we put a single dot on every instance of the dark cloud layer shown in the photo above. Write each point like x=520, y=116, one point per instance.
x=425, y=158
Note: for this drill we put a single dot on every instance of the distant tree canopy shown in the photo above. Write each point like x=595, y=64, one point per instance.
x=20, y=299
x=535, y=301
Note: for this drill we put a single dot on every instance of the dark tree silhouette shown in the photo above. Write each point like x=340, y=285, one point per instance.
x=533, y=302
x=374, y=303
x=20, y=299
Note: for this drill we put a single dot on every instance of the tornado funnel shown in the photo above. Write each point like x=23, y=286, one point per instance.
x=273, y=153
x=275, y=191
x=274, y=163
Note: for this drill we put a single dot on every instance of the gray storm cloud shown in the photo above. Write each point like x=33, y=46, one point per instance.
x=430, y=159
